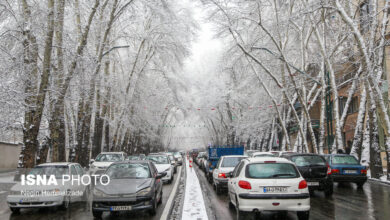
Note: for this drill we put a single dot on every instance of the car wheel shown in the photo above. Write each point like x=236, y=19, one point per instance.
x=153, y=211
x=97, y=214
x=15, y=210
x=65, y=203
x=360, y=184
x=161, y=195
x=303, y=215
x=328, y=191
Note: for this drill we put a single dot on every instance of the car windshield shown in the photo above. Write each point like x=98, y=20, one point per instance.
x=307, y=160
x=128, y=171
x=271, y=171
x=231, y=161
x=264, y=155
x=350, y=160
x=133, y=158
x=158, y=159
x=108, y=157
x=57, y=171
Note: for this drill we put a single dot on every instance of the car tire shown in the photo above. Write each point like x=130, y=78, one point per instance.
x=360, y=184
x=303, y=215
x=160, y=200
x=328, y=191
x=15, y=210
x=153, y=211
x=97, y=214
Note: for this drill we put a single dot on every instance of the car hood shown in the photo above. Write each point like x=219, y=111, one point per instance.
x=162, y=167
x=124, y=186
x=19, y=187
x=102, y=164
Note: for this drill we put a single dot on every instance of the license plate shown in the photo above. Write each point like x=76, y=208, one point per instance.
x=350, y=171
x=275, y=189
x=32, y=199
x=313, y=183
x=120, y=208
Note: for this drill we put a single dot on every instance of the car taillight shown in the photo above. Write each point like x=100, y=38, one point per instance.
x=244, y=184
x=329, y=170
x=302, y=184
x=221, y=175
x=363, y=171
x=335, y=171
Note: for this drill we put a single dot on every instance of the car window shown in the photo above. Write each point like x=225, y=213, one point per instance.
x=350, y=160
x=158, y=159
x=73, y=170
x=128, y=171
x=57, y=171
x=306, y=160
x=271, y=171
x=79, y=170
x=219, y=162
x=231, y=161
x=108, y=157
x=239, y=168
x=264, y=155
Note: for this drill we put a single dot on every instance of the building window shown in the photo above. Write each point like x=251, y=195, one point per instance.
x=353, y=106
x=365, y=19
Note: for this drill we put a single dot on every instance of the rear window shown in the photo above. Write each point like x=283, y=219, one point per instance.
x=349, y=160
x=231, y=161
x=307, y=160
x=271, y=171
x=264, y=155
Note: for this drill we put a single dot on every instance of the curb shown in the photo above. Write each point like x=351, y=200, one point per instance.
x=379, y=181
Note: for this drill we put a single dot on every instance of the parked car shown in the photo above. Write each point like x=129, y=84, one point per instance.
x=163, y=164
x=178, y=158
x=263, y=154
x=268, y=184
x=105, y=159
x=225, y=166
x=133, y=186
x=346, y=168
x=49, y=195
x=215, y=152
x=315, y=170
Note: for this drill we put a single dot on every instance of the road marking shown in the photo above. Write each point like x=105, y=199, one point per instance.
x=167, y=208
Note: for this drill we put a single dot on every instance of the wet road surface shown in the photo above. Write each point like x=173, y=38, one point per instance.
x=347, y=203
x=76, y=210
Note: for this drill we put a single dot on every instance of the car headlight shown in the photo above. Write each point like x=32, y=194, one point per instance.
x=144, y=192
x=98, y=193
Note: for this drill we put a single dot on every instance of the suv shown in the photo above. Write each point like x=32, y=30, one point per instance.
x=346, y=168
x=315, y=170
x=268, y=184
x=226, y=165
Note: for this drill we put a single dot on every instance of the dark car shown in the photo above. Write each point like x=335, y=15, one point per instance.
x=133, y=185
x=346, y=168
x=315, y=170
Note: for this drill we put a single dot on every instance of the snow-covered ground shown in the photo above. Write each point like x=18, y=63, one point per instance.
x=194, y=205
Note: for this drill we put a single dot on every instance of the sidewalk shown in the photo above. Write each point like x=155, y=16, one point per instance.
x=194, y=205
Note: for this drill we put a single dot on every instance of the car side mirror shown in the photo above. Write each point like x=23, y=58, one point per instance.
x=91, y=161
x=161, y=175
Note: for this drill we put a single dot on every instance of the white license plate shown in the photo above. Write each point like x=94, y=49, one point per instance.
x=275, y=189
x=121, y=208
x=32, y=199
x=313, y=183
x=350, y=171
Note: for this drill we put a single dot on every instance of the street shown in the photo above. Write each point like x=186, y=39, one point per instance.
x=372, y=202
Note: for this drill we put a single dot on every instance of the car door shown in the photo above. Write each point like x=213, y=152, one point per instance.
x=233, y=181
x=157, y=182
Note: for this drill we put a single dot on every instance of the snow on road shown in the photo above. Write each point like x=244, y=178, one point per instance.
x=194, y=205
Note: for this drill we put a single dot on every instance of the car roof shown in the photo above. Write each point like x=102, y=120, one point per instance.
x=57, y=164
x=259, y=153
x=234, y=156
x=263, y=159
x=303, y=154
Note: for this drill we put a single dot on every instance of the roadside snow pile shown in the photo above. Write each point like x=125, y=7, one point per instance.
x=194, y=206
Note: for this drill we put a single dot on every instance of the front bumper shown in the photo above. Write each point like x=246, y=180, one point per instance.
x=140, y=203
x=274, y=202
x=349, y=178
x=15, y=201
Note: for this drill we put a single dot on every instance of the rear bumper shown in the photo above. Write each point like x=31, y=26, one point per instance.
x=276, y=202
x=349, y=178
x=323, y=183
x=222, y=182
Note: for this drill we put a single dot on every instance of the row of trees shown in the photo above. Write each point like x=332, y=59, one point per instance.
x=284, y=57
x=85, y=76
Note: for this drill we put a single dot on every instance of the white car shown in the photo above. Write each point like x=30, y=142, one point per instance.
x=178, y=157
x=225, y=166
x=104, y=160
x=163, y=164
x=263, y=154
x=30, y=193
x=268, y=184
x=282, y=153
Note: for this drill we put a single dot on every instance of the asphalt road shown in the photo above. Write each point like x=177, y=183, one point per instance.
x=75, y=211
x=348, y=202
